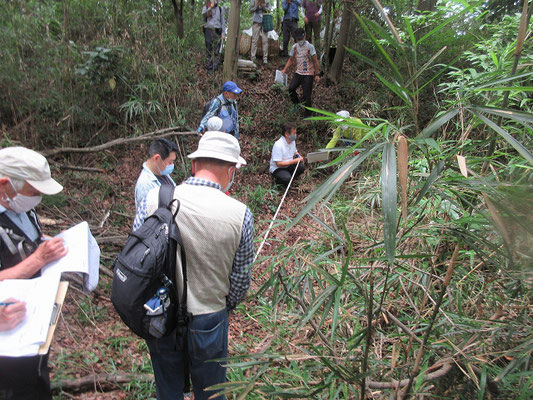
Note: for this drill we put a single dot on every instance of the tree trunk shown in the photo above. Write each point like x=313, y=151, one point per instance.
x=327, y=37
x=178, y=16
x=336, y=66
x=427, y=5
x=279, y=15
x=231, y=56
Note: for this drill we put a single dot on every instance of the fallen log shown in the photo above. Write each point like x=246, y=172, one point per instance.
x=147, y=136
x=99, y=381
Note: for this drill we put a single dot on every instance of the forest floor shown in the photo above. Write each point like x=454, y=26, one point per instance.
x=91, y=342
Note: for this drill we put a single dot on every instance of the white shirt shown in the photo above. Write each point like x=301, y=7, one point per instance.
x=282, y=151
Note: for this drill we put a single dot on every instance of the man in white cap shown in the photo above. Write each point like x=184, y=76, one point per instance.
x=217, y=233
x=24, y=178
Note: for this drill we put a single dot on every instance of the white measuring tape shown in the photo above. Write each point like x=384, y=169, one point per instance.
x=276, y=214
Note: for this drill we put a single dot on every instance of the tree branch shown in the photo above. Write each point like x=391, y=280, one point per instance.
x=147, y=136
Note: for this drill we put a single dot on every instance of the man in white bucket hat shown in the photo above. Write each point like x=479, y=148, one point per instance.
x=217, y=233
x=24, y=178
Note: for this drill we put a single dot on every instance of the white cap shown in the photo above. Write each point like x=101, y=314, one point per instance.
x=343, y=114
x=30, y=166
x=214, y=124
x=219, y=145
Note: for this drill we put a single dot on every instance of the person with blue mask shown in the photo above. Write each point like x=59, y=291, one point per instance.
x=225, y=107
x=156, y=169
x=217, y=232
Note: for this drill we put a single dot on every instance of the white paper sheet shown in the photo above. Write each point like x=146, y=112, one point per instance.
x=280, y=78
x=39, y=295
x=83, y=255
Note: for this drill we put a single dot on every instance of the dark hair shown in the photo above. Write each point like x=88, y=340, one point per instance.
x=299, y=33
x=288, y=127
x=163, y=147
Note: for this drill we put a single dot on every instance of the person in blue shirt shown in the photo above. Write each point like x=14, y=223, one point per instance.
x=224, y=106
x=290, y=22
x=156, y=169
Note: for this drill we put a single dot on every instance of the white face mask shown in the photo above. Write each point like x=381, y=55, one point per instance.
x=301, y=42
x=21, y=203
x=228, y=186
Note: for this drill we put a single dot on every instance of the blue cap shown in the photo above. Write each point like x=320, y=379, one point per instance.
x=232, y=87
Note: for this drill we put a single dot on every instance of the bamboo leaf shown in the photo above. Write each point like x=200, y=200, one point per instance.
x=498, y=221
x=327, y=227
x=511, y=140
x=398, y=90
x=431, y=178
x=504, y=80
x=366, y=59
x=321, y=299
x=517, y=89
x=385, y=16
x=389, y=196
x=443, y=24
x=519, y=116
x=333, y=183
x=410, y=31
x=429, y=130
x=384, y=54
x=425, y=66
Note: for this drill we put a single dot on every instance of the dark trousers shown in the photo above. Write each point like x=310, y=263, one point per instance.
x=24, y=378
x=282, y=176
x=313, y=28
x=306, y=81
x=207, y=340
x=289, y=26
x=212, y=48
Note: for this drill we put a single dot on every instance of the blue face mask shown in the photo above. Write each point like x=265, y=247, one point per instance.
x=168, y=170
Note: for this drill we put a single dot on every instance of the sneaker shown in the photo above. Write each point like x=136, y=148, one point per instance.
x=265, y=60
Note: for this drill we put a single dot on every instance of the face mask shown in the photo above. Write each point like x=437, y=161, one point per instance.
x=228, y=186
x=292, y=138
x=168, y=170
x=301, y=42
x=21, y=203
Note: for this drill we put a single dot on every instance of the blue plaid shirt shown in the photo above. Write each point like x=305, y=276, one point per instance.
x=241, y=273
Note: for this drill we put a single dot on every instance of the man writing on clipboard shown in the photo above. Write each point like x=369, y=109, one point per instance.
x=24, y=177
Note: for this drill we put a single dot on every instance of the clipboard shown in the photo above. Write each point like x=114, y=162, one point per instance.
x=317, y=156
x=58, y=305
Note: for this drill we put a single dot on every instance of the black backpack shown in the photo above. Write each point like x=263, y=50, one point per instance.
x=207, y=107
x=144, y=280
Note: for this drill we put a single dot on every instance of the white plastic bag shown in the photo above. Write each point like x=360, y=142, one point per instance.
x=280, y=78
x=272, y=35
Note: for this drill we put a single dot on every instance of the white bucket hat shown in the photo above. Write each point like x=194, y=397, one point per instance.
x=30, y=166
x=219, y=145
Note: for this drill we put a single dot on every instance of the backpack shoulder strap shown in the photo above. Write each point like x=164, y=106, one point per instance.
x=166, y=195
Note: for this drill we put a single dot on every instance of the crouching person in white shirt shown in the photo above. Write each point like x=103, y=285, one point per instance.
x=285, y=157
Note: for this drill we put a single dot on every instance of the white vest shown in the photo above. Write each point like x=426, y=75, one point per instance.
x=210, y=223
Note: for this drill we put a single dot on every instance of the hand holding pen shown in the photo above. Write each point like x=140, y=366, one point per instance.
x=12, y=313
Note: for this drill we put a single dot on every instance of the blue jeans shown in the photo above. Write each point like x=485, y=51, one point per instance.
x=207, y=340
